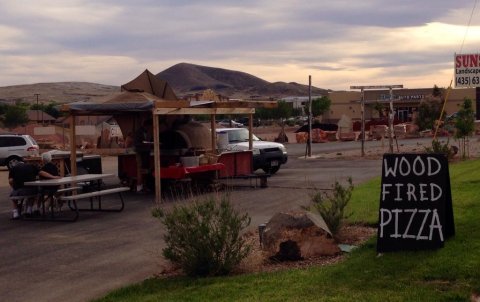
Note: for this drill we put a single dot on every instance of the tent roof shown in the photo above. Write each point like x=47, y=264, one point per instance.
x=117, y=103
x=148, y=82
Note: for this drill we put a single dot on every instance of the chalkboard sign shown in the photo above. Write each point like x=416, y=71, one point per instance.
x=415, y=203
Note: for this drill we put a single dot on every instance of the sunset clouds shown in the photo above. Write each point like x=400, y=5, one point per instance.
x=339, y=43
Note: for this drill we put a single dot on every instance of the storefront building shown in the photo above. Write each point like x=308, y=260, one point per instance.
x=405, y=102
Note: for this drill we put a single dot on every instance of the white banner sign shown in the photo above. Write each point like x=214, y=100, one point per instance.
x=115, y=131
x=467, y=70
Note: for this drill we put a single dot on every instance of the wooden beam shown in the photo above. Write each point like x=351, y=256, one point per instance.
x=180, y=111
x=172, y=104
x=213, y=126
x=156, y=156
x=250, y=131
x=247, y=104
x=228, y=104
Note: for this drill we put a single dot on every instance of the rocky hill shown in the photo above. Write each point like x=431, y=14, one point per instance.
x=60, y=92
x=188, y=78
x=184, y=78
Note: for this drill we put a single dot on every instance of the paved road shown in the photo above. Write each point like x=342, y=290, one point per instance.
x=46, y=261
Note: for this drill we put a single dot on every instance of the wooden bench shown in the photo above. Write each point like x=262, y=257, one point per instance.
x=71, y=199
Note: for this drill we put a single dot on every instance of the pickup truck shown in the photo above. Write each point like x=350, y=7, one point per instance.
x=268, y=156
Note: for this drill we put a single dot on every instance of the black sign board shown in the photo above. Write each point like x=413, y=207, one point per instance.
x=415, y=203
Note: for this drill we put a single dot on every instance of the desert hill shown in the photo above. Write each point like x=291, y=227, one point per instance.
x=188, y=78
x=184, y=78
x=60, y=92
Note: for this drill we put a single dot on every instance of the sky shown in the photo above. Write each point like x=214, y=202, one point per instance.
x=339, y=43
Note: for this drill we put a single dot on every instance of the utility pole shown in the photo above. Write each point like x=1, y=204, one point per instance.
x=36, y=94
x=390, y=122
x=390, y=119
x=309, y=116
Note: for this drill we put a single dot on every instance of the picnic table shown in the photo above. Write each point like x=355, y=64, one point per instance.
x=69, y=195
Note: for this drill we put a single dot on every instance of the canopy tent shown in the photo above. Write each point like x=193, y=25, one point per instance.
x=148, y=82
x=146, y=97
x=129, y=109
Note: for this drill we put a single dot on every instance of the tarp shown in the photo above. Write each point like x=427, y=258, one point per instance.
x=117, y=103
x=148, y=82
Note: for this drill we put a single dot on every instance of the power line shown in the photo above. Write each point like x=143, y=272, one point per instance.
x=468, y=25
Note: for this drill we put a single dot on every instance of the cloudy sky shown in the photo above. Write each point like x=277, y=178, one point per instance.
x=339, y=43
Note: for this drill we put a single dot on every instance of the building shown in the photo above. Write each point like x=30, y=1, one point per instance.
x=405, y=102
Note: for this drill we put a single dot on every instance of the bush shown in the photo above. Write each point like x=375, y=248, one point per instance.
x=442, y=148
x=332, y=206
x=204, y=237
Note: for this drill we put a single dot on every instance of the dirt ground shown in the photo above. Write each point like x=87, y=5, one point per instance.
x=103, y=251
x=473, y=144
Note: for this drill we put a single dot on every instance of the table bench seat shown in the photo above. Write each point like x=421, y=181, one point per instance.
x=22, y=197
x=97, y=195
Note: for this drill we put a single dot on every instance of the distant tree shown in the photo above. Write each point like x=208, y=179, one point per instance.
x=52, y=110
x=297, y=111
x=319, y=106
x=3, y=108
x=379, y=107
x=15, y=116
x=40, y=107
x=428, y=112
x=263, y=113
x=464, y=124
x=283, y=111
x=437, y=92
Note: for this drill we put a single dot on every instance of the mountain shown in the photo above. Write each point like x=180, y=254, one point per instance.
x=188, y=78
x=61, y=92
x=184, y=78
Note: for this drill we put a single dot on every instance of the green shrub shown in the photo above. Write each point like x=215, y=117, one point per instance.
x=204, y=237
x=442, y=148
x=332, y=206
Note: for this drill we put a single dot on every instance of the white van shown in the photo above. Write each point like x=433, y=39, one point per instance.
x=15, y=147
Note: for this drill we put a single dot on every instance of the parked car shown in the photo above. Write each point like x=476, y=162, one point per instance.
x=230, y=123
x=268, y=156
x=246, y=120
x=15, y=147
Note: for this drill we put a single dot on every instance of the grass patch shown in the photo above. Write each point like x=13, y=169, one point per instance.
x=448, y=274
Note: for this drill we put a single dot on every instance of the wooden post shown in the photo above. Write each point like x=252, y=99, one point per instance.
x=250, y=131
x=310, y=116
x=73, y=147
x=362, y=105
x=362, y=110
x=390, y=122
x=156, y=155
x=213, y=127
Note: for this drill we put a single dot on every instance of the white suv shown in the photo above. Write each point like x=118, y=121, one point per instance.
x=268, y=156
x=15, y=147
